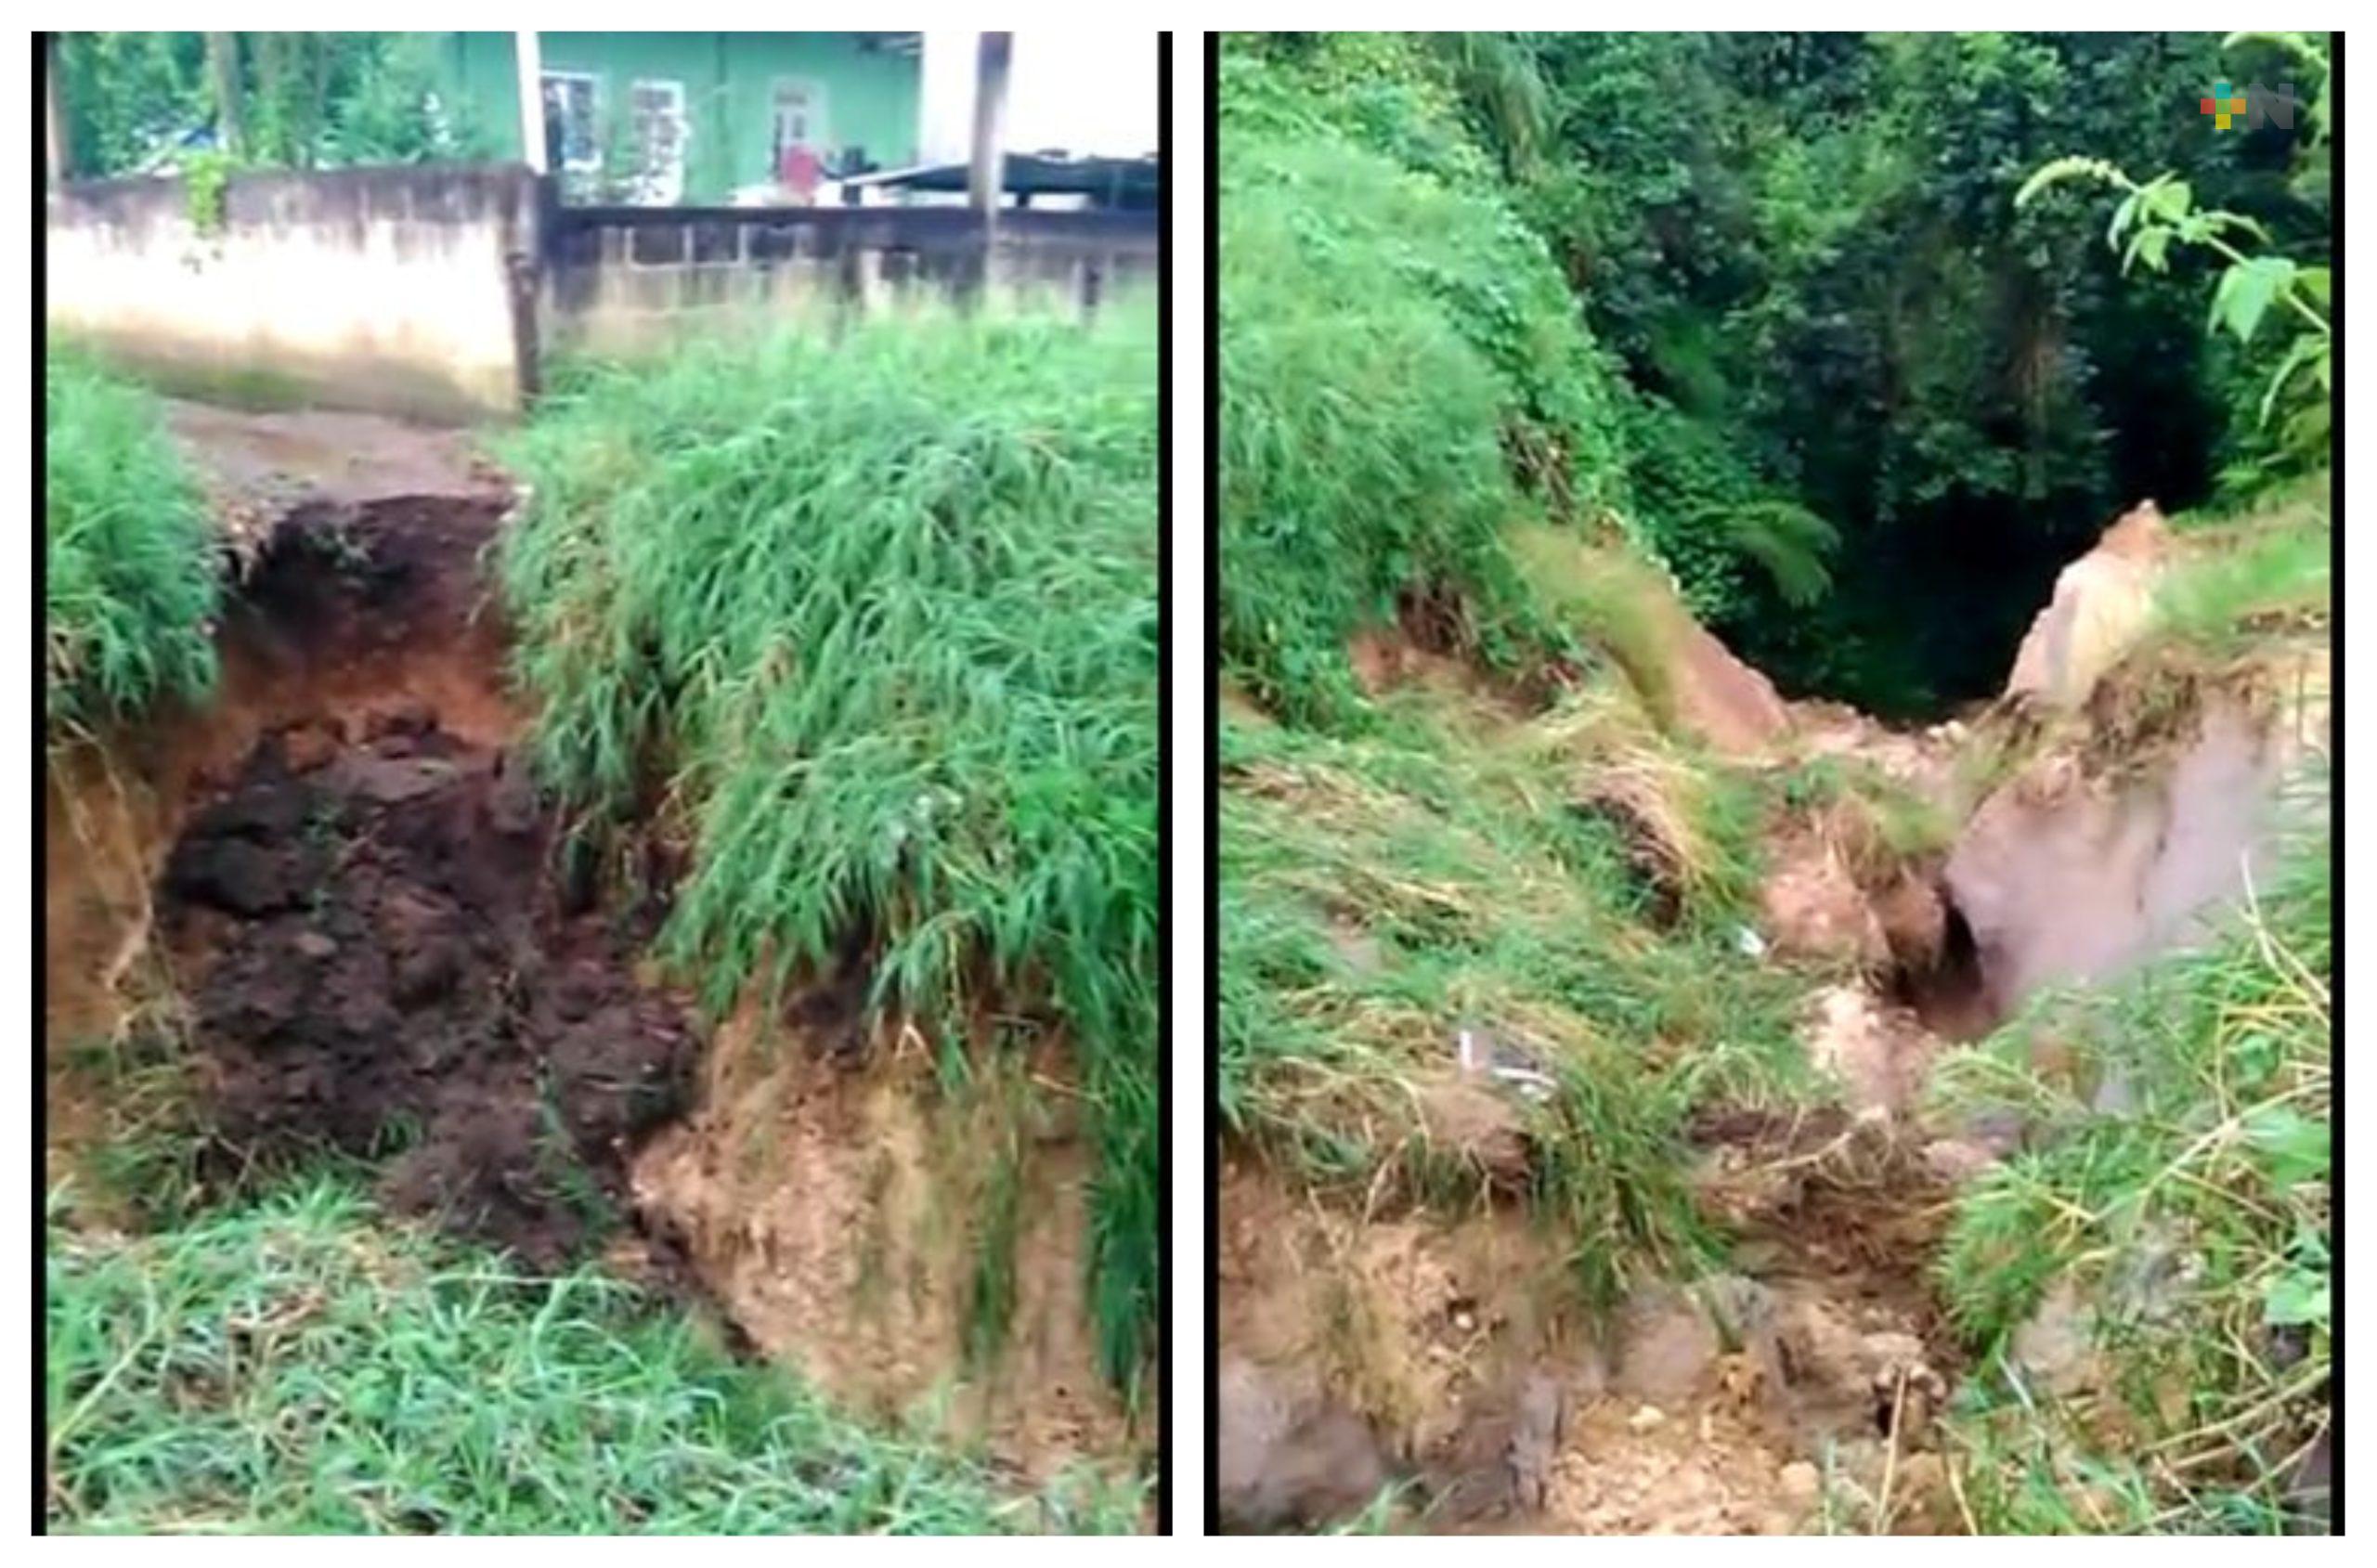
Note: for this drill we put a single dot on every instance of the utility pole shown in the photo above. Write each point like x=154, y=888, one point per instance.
x=990, y=59
x=61, y=147
x=223, y=66
x=532, y=100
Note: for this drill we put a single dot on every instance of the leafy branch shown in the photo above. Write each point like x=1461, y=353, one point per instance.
x=2152, y=215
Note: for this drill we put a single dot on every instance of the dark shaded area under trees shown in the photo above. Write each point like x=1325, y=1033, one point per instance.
x=1805, y=253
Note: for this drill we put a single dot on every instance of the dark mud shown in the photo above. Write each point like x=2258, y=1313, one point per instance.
x=361, y=906
x=388, y=971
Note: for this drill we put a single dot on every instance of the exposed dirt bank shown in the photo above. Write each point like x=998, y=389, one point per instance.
x=1446, y=1352
x=335, y=892
x=908, y=1247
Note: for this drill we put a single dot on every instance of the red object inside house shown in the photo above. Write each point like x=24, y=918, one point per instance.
x=799, y=170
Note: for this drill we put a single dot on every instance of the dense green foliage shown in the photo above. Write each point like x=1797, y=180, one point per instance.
x=871, y=619
x=1405, y=370
x=297, y=100
x=1386, y=328
x=129, y=558
x=296, y=1363
x=1764, y=303
x=1806, y=247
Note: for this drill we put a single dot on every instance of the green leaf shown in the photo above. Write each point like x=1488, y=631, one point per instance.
x=2122, y=216
x=2168, y=197
x=2292, y=1146
x=2298, y=1296
x=2153, y=245
x=2310, y=348
x=2245, y=293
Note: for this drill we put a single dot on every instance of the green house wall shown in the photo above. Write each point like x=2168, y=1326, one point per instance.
x=870, y=95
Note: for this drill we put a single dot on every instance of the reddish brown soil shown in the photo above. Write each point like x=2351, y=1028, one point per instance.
x=832, y=1195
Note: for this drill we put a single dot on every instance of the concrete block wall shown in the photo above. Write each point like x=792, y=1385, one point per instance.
x=394, y=289
x=435, y=292
x=620, y=279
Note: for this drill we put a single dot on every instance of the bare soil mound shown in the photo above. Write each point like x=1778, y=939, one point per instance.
x=385, y=963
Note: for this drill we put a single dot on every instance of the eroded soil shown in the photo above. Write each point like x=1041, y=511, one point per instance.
x=1794, y=1390
x=385, y=964
x=332, y=896
x=2108, y=808
x=918, y=1251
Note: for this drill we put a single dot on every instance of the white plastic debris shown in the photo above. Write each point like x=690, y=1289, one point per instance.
x=1531, y=1085
x=1750, y=942
x=1477, y=1057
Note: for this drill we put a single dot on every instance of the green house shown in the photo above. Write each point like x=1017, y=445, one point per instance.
x=696, y=118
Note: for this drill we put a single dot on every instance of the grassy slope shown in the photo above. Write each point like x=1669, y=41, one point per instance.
x=296, y=1365
x=1380, y=892
x=873, y=619
x=129, y=554
x=1391, y=336
x=1398, y=361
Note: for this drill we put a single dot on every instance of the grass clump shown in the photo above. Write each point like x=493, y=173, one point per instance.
x=129, y=560
x=1359, y=458
x=2175, y=1211
x=873, y=620
x=296, y=1365
x=1381, y=893
x=2243, y=576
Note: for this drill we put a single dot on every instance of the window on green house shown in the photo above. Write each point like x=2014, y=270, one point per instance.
x=571, y=140
x=656, y=118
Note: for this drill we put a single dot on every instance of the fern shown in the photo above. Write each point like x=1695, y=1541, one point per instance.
x=1788, y=541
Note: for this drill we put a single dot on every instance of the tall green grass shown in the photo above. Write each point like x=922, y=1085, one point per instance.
x=129, y=557
x=297, y=1364
x=872, y=619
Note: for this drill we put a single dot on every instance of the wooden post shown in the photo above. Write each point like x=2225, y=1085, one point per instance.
x=61, y=146
x=990, y=59
x=532, y=100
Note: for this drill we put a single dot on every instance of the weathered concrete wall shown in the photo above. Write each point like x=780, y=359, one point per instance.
x=435, y=291
x=387, y=289
x=618, y=279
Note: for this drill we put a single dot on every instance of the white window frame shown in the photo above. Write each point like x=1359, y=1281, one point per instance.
x=661, y=187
